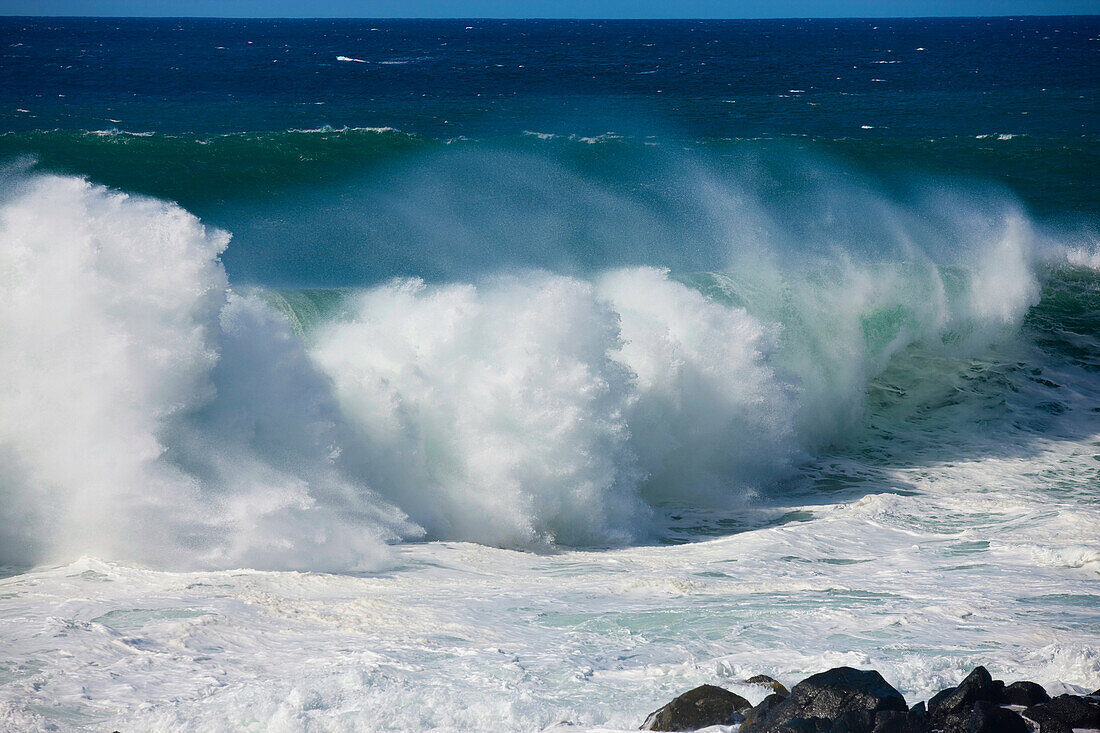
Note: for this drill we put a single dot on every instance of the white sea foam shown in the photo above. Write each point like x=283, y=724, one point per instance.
x=522, y=411
x=919, y=585
x=330, y=128
x=154, y=415
x=587, y=139
x=495, y=411
x=136, y=422
x=115, y=132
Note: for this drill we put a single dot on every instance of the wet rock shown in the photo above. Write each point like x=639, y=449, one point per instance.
x=841, y=696
x=1054, y=726
x=1025, y=694
x=806, y=725
x=771, y=683
x=950, y=709
x=939, y=697
x=989, y=717
x=698, y=708
x=760, y=712
x=895, y=721
x=1074, y=711
x=854, y=721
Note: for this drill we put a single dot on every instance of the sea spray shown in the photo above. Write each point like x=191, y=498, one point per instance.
x=107, y=331
x=124, y=433
x=496, y=412
x=711, y=419
x=155, y=413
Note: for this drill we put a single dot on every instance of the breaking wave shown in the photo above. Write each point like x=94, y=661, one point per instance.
x=154, y=412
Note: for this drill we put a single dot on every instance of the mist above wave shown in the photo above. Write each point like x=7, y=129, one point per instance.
x=154, y=414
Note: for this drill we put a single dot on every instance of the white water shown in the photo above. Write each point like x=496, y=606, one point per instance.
x=466, y=637
x=160, y=421
x=139, y=419
x=153, y=415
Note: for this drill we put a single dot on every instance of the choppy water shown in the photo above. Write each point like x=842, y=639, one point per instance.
x=342, y=416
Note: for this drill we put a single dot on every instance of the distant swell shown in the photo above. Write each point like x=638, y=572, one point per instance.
x=154, y=413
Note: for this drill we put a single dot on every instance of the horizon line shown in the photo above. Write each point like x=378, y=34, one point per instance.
x=540, y=18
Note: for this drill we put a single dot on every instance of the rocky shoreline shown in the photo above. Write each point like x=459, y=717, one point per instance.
x=847, y=700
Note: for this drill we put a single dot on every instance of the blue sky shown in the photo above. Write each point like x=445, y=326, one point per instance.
x=548, y=8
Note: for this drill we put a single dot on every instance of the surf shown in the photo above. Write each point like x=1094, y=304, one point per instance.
x=156, y=412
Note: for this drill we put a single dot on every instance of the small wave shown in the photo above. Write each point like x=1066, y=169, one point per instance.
x=329, y=129
x=386, y=62
x=115, y=132
x=586, y=139
x=596, y=139
x=205, y=139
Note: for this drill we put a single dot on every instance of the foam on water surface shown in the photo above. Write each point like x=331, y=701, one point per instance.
x=460, y=636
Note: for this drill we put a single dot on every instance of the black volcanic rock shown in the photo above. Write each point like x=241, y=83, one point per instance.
x=939, y=697
x=806, y=725
x=698, y=708
x=845, y=698
x=1025, y=694
x=1074, y=711
x=771, y=683
x=989, y=717
x=950, y=709
x=895, y=721
x=855, y=721
x=761, y=711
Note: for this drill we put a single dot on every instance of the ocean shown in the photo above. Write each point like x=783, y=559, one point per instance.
x=522, y=375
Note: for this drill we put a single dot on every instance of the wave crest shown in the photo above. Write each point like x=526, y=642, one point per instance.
x=154, y=414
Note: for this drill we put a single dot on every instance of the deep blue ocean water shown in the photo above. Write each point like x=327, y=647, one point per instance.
x=713, y=79
x=228, y=116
